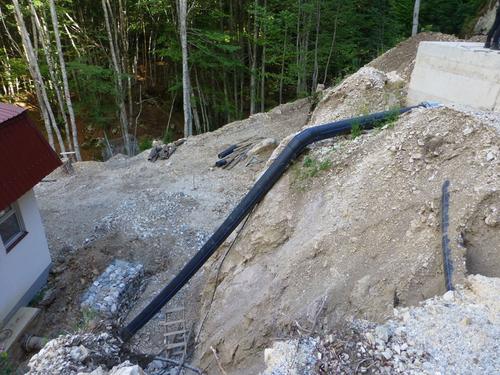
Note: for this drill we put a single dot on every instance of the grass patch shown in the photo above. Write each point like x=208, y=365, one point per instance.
x=356, y=131
x=88, y=316
x=309, y=168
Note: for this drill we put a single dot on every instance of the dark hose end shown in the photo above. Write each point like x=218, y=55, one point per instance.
x=125, y=334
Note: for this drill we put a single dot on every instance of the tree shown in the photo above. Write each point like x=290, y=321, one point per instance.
x=416, y=13
x=64, y=74
x=117, y=66
x=43, y=99
x=186, y=82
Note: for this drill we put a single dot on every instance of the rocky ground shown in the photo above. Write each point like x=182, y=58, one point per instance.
x=457, y=333
x=349, y=233
x=154, y=214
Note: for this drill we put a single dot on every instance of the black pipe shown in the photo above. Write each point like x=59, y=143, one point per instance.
x=256, y=194
x=227, y=151
x=445, y=224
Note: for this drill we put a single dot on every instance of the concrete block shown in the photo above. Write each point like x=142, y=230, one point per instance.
x=16, y=326
x=456, y=73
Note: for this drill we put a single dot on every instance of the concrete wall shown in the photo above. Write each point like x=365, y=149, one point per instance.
x=460, y=73
x=24, y=270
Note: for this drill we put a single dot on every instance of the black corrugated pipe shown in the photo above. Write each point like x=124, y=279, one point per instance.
x=254, y=196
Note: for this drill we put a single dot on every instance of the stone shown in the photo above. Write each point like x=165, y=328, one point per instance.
x=79, y=354
x=382, y=333
x=490, y=156
x=112, y=295
x=449, y=296
x=127, y=370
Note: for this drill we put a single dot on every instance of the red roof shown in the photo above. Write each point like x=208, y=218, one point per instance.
x=25, y=156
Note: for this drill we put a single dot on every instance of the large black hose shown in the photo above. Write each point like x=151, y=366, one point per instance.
x=445, y=224
x=256, y=194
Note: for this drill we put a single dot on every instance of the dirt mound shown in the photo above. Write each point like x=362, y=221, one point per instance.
x=402, y=57
x=353, y=229
x=157, y=214
x=366, y=91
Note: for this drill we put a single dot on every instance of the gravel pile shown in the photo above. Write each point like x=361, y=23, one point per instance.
x=293, y=357
x=73, y=354
x=115, y=291
x=458, y=333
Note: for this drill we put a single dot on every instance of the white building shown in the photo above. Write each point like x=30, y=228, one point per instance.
x=25, y=159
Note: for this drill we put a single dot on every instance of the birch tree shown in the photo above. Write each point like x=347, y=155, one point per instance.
x=43, y=99
x=186, y=82
x=116, y=63
x=67, y=94
x=416, y=15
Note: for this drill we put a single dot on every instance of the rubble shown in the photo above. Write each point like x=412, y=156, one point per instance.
x=114, y=292
x=75, y=354
x=292, y=357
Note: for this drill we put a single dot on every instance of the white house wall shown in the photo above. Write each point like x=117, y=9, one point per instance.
x=25, y=268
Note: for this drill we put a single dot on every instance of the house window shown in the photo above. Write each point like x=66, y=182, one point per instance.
x=11, y=227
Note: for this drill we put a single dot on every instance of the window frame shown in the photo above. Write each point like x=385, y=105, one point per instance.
x=13, y=210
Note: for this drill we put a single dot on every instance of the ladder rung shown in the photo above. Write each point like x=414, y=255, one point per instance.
x=175, y=309
x=175, y=333
x=176, y=345
x=171, y=323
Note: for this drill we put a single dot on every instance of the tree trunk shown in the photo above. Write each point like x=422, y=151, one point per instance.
x=416, y=14
x=263, y=66
x=253, y=70
x=282, y=74
x=186, y=84
x=332, y=46
x=44, y=38
x=67, y=94
x=118, y=77
x=46, y=109
x=316, y=66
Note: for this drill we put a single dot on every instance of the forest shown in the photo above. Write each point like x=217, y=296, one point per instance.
x=114, y=74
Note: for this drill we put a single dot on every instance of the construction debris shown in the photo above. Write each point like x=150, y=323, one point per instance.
x=162, y=151
x=75, y=354
x=253, y=148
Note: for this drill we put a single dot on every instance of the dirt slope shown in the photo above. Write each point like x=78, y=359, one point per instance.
x=352, y=229
x=401, y=58
x=362, y=234
x=155, y=214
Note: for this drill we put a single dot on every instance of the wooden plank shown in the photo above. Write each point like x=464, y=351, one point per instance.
x=173, y=322
x=174, y=333
x=176, y=345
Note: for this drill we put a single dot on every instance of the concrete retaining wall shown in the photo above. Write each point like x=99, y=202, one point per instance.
x=456, y=73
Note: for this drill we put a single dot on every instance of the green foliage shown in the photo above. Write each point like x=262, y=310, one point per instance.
x=390, y=121
x=225, y=37
x=145, y=144
x=303, y=172
x=6, y=367
x=168, y=137
x=88, y=316
x=356, y=131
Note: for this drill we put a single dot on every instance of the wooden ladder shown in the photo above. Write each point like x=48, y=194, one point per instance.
x=176, y=334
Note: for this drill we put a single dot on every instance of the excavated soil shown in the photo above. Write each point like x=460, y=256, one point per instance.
x=357, y=237
x=351, y=230
x=155, y=214
x=401, y=58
